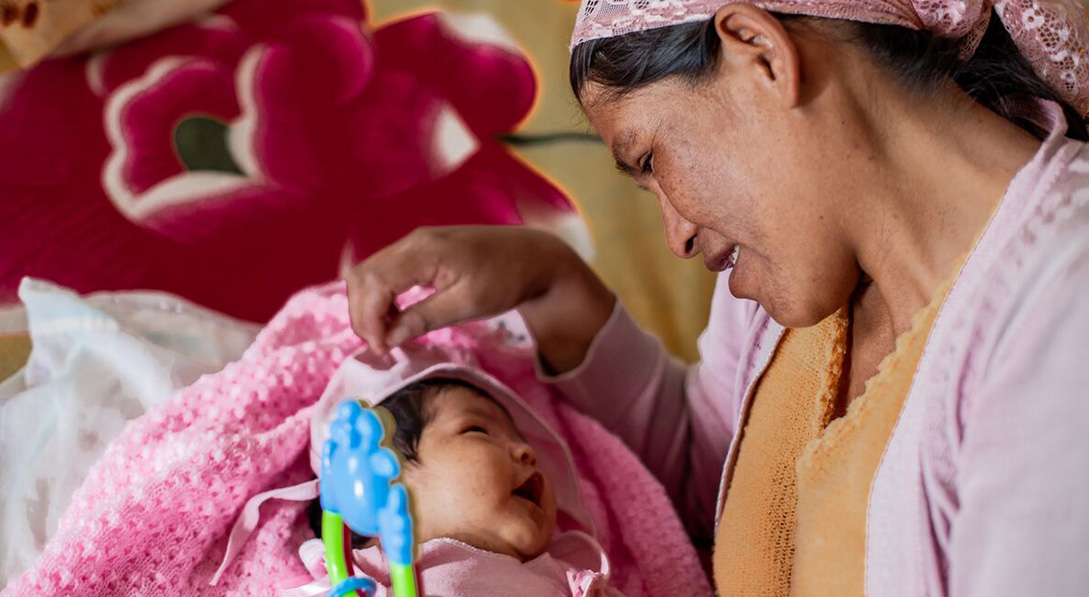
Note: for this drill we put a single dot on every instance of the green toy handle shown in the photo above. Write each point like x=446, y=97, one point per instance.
x=332, y=535
x=404, y=580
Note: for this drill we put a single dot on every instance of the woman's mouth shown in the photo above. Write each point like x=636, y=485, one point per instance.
x=725, y=261
x=532, y=489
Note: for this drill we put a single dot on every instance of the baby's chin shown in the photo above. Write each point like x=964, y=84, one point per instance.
x=518, y=532
x=519, y=541
x=530, y=551
x=528, y=539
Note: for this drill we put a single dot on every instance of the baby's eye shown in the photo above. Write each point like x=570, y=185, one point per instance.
x=475, y=429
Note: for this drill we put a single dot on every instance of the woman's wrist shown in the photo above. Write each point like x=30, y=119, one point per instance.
x=567, y=314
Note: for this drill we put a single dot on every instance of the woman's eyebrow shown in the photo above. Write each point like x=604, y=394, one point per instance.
x=625, y=167
x=621, y=147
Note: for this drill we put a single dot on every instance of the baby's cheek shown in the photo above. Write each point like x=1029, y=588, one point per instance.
x=478, y=478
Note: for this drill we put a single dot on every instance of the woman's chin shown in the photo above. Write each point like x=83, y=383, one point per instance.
x=796, y=314
x=786, y=311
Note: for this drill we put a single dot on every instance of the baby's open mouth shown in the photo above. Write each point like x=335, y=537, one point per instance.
x=531, y=489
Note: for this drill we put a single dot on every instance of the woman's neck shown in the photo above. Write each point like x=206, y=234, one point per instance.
x=937, y=175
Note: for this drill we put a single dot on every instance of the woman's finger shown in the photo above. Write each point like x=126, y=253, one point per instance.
x=374, y=284
x=368, y=307
x=446, y=307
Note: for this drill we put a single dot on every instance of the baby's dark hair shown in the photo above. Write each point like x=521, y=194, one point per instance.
x=411, y=414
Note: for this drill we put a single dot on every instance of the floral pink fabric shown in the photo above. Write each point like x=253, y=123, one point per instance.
x=154, y=514
x=317, y=138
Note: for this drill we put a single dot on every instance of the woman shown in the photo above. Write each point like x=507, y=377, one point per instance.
x=892, y=396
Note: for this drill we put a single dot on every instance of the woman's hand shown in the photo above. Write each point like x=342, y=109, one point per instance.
x=480, y=271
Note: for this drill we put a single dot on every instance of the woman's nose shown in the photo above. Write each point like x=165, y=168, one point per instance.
x=680, y=233
x=523, y=454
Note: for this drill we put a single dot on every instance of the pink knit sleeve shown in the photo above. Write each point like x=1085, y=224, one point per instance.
x=1021, y=522
x=678, y=419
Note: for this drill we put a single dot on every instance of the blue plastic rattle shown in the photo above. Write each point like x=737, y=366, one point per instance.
x=359, y=492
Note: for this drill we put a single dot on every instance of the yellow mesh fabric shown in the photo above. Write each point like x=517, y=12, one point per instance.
x=836, y=471
x=754, y=547
x=794, y=522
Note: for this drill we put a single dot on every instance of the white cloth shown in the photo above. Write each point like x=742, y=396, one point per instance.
x=97, y=362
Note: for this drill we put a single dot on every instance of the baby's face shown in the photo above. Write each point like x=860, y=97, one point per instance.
x=477, y=479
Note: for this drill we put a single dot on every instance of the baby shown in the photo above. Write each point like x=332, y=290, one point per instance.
x=473, y=477
x=488, y=481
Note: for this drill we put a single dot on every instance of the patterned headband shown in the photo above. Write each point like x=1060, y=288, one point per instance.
x=1053, y=35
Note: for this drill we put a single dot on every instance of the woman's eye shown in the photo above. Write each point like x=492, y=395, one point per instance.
x=648, y=164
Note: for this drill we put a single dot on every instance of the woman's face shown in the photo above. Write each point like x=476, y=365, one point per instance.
x=477, y=479
x=739, y=168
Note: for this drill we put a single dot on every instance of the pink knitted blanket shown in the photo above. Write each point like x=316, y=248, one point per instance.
x=154, y=514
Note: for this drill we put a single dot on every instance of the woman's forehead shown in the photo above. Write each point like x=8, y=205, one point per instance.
x=620, y=119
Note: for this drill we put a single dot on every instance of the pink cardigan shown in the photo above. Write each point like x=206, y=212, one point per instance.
x=984, y=487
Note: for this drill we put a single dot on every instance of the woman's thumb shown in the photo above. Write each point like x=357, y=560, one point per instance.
x=444, y=308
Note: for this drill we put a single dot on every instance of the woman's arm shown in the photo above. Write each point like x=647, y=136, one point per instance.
x=568, y=315
x=679, y=420
x=1021, y=523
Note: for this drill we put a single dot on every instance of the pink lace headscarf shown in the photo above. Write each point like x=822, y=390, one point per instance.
x=1052, y=34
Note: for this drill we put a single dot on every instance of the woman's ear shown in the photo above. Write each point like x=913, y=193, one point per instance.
x=755, y=43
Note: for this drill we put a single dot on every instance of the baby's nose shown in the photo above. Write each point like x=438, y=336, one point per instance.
x=523, y=454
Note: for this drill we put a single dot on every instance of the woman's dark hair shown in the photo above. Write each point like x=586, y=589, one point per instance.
x=997, y=75
x=409, y=408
